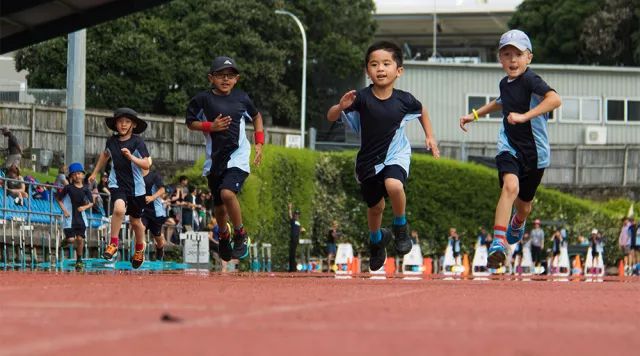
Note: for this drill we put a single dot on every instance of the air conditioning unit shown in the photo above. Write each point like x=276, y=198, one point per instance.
x=595, y=135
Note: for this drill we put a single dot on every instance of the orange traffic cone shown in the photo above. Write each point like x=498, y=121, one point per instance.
x=428, y=266
x=576, y=269
x=621, y=269
x=390, y=266
x=355, y=266
x=465, y=265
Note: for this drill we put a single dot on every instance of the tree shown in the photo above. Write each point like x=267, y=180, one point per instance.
x=612, y=35
x=154, y=61
x=554, y=27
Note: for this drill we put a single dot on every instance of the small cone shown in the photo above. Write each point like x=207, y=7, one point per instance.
x=621, y=269
x=355, y=266
x=428, y=266
x=350, y=265
x=465, y=265
x=390, y=266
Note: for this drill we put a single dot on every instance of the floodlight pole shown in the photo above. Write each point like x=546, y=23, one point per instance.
x=76, y=72
x=303, y=96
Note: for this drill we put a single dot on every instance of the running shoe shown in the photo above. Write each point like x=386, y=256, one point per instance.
x=79, y=266
x=515, y=235
x=225, y=246
x=110, y=252
x=402, y=239
x=378, y=251
x=497, y=254
x=240, y=249
x=138, y=259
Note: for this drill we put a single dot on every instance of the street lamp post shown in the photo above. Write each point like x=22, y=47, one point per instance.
x=303, y=96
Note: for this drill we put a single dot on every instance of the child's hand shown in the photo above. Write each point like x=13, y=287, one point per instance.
x=258, y=158
x=220, y=123
x=432, y=145
x=126, y=153
x=92, y=178
x=464, y=120
x=515, y=118
x=148, y=199
x=347, y=99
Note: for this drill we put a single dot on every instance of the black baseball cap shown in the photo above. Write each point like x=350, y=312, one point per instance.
x=222, y=62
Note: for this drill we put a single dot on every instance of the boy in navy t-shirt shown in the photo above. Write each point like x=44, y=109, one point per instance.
x=129, y=156
x=74, y=199
x=154, y=215
x=523, y=144
x=221, y=114
x=379, y=113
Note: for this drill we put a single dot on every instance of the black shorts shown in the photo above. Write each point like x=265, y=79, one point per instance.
x=528, y=178
x=153, y=224
x=134, y=205
x=231, y=179
x=373, y=188
x=72, y=232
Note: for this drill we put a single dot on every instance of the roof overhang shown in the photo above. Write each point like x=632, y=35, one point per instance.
x=25, y=22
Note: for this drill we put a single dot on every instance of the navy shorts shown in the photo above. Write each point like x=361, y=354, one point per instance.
x=373, y=188
x=72, y=232
x=153, y=224
x=231, y=179
x=331, y=249
x=528, y=179
x=134, y=205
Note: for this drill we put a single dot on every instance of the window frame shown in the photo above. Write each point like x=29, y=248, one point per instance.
x=580, y=119
x=625, y=119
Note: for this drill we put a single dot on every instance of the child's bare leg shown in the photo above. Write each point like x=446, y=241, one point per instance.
x=220, y=213
x=160, y=241
x=508, y=195
x=232, y=205
x=138, y=230
x=395, y=189
x=79, y=245
x=117, y=216
x=374, y=216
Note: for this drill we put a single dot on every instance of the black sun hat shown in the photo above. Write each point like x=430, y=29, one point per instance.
x=110, y=121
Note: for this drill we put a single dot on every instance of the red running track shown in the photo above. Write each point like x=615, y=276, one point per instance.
x=120, y=314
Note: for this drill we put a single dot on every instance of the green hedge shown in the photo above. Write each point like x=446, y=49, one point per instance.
x=440, y=194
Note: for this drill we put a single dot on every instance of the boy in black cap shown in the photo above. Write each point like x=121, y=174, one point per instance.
x=129, y=156
x=74, y=199
x=221, y=113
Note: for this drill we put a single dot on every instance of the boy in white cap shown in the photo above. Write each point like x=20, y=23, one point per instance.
x=523, y=144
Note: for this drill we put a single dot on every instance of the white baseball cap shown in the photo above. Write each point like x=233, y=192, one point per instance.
x=517, y=39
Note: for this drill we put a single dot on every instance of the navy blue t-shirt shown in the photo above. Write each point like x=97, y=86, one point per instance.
x=381, y=126
x=295, y=228
x=527, y=141
x=125, y=175
x=73, y=197
x=153, y=182
x=229, y=148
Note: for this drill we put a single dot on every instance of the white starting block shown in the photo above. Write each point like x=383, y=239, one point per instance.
x=344, y=258
x=563, y=269
x=479, y=263
x=196, y=250
x=593, y=270
x=451, y=267
x=412, y=264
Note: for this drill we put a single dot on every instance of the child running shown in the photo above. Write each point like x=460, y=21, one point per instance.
x=129, y=156
x=379, y=113
x=74, y=199
x=154, y=214
x=221, y=114
x=523, y=144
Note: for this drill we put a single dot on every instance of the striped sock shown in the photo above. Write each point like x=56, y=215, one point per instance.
x=500, y=232
x=516, y=223
x=114, y=240
x=139, y=247
x=238, y=229
x=400, y=220
x=375, y=236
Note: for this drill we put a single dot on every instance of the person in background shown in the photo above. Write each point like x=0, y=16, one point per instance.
x=296, y=229
x=537, y=243
x=14, y=154
x=332, y=237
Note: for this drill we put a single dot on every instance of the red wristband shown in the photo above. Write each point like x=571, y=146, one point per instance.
x=259, y=137
x=206, y=126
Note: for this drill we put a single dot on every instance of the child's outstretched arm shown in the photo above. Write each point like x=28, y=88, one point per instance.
x=143, y=163
x=102, y=160
x=484, y=110
x=347, y=99
x=430, y=140
x=258, y=138
x=550, y=102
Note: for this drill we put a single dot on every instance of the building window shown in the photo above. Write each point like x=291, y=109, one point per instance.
x=580, y=109
x=623, y=110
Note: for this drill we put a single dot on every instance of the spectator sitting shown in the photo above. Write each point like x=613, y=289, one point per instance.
x=61, y=178
x=16, y=189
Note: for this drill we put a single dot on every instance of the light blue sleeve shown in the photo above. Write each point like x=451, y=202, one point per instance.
x=351, y=119
x=412, y=116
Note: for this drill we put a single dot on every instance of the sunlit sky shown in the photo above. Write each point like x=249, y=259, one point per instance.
x=449, y=6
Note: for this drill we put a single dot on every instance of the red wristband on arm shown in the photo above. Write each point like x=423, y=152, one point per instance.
x=206, y=126
x=259, y=137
